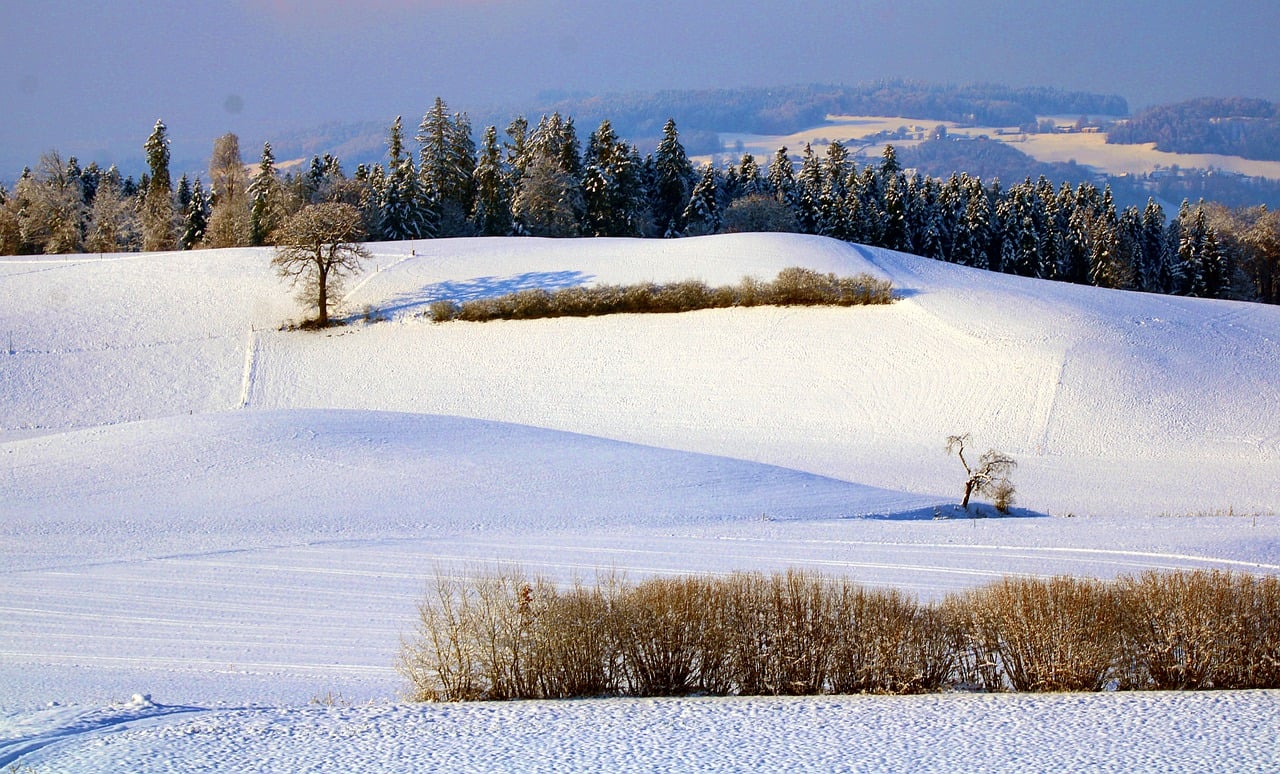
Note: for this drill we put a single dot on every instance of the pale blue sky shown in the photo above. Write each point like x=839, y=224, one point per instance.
x=90, y=78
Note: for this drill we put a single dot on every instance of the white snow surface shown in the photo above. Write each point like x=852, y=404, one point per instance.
x=236, y=519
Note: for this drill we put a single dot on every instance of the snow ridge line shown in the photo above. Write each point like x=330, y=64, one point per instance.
x=250, y=366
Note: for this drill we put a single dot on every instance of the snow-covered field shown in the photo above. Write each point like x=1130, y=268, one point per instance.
x=238, y=520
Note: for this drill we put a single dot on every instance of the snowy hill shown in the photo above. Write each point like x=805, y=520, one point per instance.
x=207, y=508
x=1112, y=402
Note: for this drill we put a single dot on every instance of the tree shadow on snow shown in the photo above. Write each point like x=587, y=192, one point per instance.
x=953, y=512
x=479, y=287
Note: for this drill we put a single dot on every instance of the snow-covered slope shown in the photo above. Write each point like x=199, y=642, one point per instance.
x=1112, y=402
x=200, y=505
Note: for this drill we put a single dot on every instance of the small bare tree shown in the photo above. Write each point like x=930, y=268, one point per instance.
x=989, y=477
x=318, y=246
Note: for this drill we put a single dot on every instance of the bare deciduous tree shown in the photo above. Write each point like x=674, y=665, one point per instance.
x=989, y=477
x=317, y=246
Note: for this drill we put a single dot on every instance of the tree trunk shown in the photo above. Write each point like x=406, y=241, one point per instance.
x=968, y=490
x=322, y=290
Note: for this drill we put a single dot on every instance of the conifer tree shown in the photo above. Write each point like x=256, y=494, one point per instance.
x=835, y=175
x=673, y=181
x=1200, y=254
x=548, y=200
x=611, y=190
x=973, y=232
x=157, y=214
x=782, y=178
x=810, y=184
x=702, y=216
x=405, y=210
x=750, y=182
x=266, y=194
x=1154, y=269
x=447, y=168
x=195, y=217
x=896, y=235
x=491, y=213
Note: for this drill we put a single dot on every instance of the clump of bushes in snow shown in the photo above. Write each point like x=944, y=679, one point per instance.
x=505, y=636
x=793, y=286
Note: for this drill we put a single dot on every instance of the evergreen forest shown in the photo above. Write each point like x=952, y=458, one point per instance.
x=543, y=179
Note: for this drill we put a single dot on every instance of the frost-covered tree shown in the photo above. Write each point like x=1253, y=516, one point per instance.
x=549, y=201
x=318, y=246
x=53, y=212
x=750, y=180
x=548, y=198
x=228, y=224
x=1200, y=253
x=113, y=221
x=782, y=178
x=810, y=185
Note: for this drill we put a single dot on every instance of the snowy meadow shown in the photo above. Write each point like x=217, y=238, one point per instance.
x=214, y=533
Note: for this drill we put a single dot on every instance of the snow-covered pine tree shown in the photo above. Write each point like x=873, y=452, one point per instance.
x=157, y=204
x=405, y=207
x=611, y=191
x=702, y=216
x=782, y=178
x=673, y=182
x=195, y=217
x=447, y=167
x=810, y=184
x=266, y=197
x=491, y=213
x=750, y=181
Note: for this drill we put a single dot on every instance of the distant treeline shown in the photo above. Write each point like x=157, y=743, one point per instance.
x=788, y=109
x=1233, y=127
x=542, y=180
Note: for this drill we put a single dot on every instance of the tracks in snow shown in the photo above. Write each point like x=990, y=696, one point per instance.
x=76, y=727
x=250, y=368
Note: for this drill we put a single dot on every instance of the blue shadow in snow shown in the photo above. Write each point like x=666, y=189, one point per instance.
x=482, y=287
x=953, y=512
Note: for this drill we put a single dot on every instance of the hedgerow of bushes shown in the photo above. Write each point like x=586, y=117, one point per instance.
x=793, y=287
x=505, y=636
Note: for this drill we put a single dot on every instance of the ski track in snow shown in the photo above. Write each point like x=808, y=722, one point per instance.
x=246, y=521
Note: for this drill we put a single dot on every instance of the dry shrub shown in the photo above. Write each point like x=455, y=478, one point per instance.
x=668, y=633
x=888, y=643
x=1192, y=630
x=778, y=633
x=443, y=311
x=503, y=636
x=794, y=286
x=1056, y=635
x=572, y=649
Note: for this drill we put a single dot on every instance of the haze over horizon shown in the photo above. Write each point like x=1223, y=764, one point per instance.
x=90, y=80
